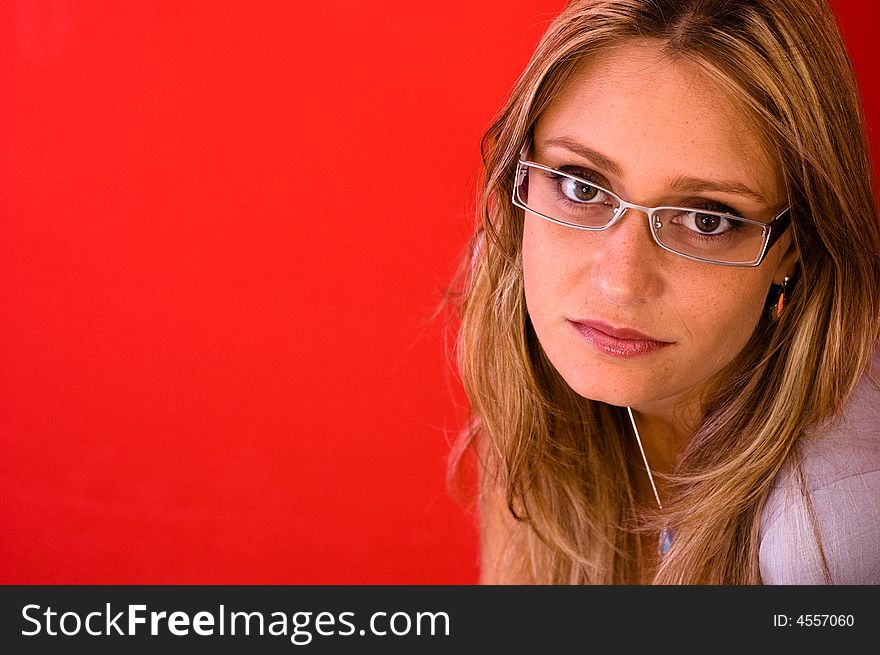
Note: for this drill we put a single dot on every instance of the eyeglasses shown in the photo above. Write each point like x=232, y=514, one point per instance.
x=705, y=236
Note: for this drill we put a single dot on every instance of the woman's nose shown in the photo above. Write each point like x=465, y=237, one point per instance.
x=626, y=263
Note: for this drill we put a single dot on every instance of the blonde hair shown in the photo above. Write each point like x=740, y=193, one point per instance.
x=561, y=459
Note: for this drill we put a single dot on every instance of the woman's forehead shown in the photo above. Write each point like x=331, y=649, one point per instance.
x=651, y=114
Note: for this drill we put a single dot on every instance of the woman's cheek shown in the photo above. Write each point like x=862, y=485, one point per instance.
x=721, y=323
x=552, y=257
x=541, y=274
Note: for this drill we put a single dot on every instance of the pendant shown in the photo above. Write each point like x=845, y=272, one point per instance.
x=665, y=542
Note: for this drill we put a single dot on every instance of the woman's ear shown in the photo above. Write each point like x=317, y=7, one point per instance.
x=788, y=264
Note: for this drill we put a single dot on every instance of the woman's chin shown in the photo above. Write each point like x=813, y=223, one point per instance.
x=604, y=394
x=621, y=393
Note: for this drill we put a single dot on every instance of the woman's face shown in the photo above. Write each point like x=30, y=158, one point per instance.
x=655, y=132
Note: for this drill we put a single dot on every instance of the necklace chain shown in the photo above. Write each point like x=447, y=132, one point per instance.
x=666, y=536
x=644, y=459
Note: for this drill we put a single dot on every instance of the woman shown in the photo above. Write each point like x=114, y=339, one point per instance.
x=671, y=301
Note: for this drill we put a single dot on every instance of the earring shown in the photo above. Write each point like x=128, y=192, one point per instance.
x=777, y=307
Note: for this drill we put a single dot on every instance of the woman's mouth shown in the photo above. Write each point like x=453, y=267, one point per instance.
x=617, y=342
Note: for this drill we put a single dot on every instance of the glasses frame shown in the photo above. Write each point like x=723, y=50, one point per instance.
x=771, y=235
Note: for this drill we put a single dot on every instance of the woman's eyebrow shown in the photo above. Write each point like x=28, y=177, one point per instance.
x=684, y=184
x=681, y=184
x=597, y=158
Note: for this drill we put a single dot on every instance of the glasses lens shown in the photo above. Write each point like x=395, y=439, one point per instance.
x=709, y=235
x=565, y=198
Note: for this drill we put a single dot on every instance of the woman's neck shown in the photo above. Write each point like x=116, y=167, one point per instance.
x=663, y=440
x=664, y=435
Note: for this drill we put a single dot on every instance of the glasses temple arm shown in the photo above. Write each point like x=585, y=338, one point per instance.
x=778, y=227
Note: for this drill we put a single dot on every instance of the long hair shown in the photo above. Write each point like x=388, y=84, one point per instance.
x=562, y=460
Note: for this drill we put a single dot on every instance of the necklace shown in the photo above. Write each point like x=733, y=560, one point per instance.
x=666, y=535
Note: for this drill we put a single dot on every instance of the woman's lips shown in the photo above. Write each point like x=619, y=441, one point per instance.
x=617, y=342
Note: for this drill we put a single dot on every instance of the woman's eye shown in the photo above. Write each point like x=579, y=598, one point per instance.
x=705, y=223
x=578, y=191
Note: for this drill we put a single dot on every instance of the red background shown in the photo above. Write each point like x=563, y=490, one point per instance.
x=223, y=228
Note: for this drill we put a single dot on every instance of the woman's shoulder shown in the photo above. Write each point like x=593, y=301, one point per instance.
x=841, y=469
